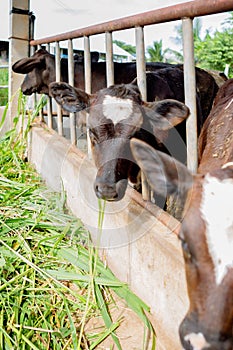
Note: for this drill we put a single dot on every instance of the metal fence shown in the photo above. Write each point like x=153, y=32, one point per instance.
x=185, y=12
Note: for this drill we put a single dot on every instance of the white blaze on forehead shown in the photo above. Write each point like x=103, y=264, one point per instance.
x=197, y=340
x=116, y=108
x=217, y=212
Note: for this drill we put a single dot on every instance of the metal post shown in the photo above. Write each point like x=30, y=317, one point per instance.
x=141, y=80
x=71, y=82
x=49, y=103
x=58, y=78
x=18, y=47
x=109, y=59
x=190, y=94
x=87, y=64
x=87, y=68
x=141, y=65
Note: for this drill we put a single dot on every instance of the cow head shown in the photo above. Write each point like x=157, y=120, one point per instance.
x=39, y=70
x=116, y=114
x=207, y=242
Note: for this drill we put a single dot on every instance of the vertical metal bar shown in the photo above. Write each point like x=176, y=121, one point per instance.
x=58, y=62
x=49, y=103
x=109, y=59
x=141, y=79
x=58, y=78
x=34, y=97
x=141, y=65
x=32, y=50
x=87, y=64
x=41, y=112
x=50, y=112
x=71, y=82
x=190, y=94
x=87, y=70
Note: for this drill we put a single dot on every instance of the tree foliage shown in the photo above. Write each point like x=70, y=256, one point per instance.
x=155, y=52
x=212, y=51
x=215, y=52
x=127, y=47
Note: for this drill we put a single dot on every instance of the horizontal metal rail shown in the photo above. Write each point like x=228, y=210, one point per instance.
x=191, y=9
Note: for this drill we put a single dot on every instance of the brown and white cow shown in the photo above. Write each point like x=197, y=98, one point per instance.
x=116, y=114
x=207, y=228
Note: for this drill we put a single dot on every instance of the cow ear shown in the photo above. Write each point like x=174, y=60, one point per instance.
x=26, y=65
x=71, y=99
x=165, y=174
x=134, y=81
x=165, y=114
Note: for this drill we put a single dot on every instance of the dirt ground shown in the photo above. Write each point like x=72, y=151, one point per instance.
x=131, y=332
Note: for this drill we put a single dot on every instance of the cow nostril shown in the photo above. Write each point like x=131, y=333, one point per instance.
x=96, y=188
x=106, y=191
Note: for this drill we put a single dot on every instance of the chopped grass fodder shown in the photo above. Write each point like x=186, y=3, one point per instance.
x=52, y=282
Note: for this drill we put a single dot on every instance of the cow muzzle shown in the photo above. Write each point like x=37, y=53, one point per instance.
x=110, y=191
x=195, y=337
x=27, y=91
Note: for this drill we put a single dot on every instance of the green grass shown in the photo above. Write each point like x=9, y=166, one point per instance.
x=52, y=282
x=3, y=81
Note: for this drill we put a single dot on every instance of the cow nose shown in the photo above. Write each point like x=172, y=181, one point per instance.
x=106, y=191
x=27, y=90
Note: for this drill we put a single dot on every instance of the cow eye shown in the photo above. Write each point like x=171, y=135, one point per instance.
x=185, y=248
x=93, y=137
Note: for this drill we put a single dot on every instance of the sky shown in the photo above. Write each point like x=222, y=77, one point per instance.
x=57, y=16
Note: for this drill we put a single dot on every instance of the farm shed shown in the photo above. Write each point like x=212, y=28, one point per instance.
x=119, y=54
x=139, y=240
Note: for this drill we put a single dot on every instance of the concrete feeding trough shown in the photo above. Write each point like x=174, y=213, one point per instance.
x=138, y=241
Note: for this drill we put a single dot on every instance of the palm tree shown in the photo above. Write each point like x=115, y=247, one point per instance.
x=197, y=25
x=127, y=47
x=155, y=52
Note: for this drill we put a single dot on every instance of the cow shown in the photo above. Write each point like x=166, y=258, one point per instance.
x=207, y=228
x=116, y=114
x=219, y=77
x=166, y=83
x=40, y=72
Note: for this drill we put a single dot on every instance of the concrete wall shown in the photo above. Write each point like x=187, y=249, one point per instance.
x=139, y=248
